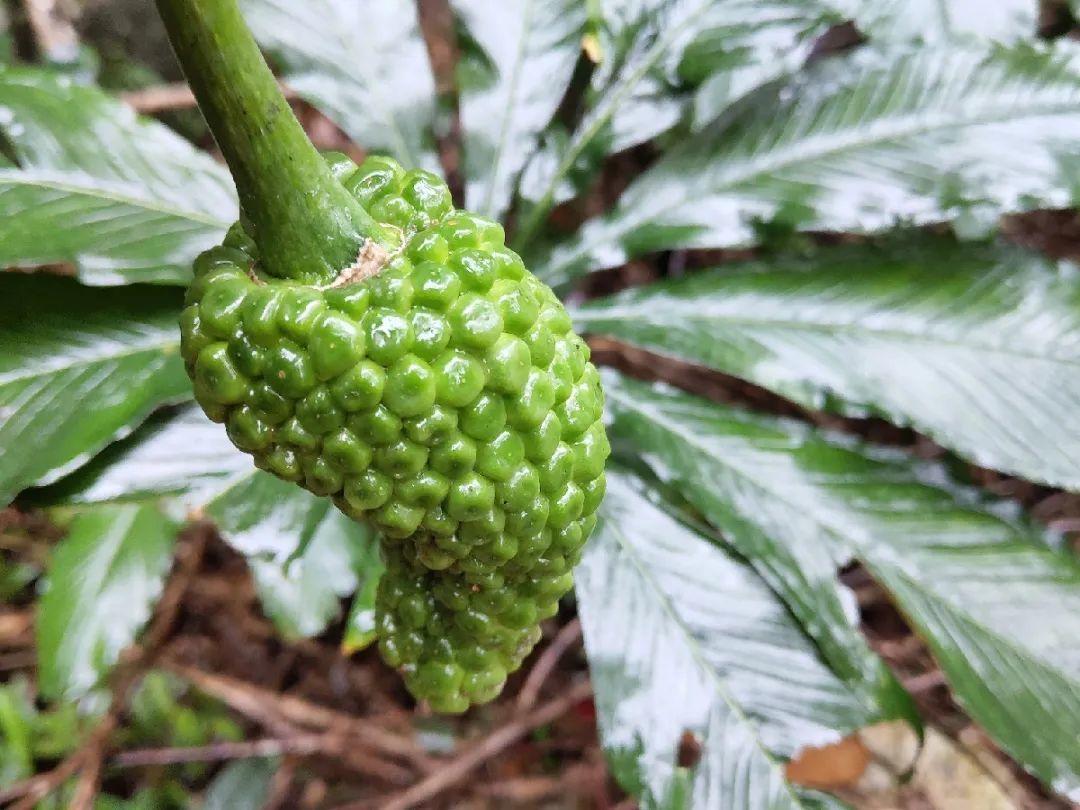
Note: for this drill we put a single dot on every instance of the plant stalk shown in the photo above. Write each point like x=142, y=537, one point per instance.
x=306, y=224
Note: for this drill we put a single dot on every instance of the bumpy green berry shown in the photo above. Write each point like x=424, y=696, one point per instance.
x=445, y=400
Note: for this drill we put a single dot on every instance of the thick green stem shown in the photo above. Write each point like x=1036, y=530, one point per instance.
x=306, y=224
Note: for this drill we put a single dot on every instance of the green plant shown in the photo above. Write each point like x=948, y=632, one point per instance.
x=709, y=594
x=360, y=337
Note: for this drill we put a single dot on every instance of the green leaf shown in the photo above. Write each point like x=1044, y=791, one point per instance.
x=242, y=785
x=684, y=638
x=103, y=581
x=859, y=143
x=28, y=734
x=302, y=595
x=944, y=20
x=650, y=54
x=122, y=198
x=303, y=553
x=360, y=624
x=14, y=577
x=971, y=344
x=362, y=62
x=17, y=716
x=748, y=44
x=999, y=608
x=529, y=49
x=79, y=367
x=178, y=455
x=800, y=569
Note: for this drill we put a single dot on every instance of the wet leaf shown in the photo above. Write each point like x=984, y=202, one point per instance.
x=974, y=345
x=361, y=62
x=103, y=581
x=527, y=52
x=689, y=648
x=303, y=594
x=360, y=623
x=122, y=198
x=861, y=144
x=651, y=57
x=936, y=21
x=176, y=455
x=801, y=570
x=998, y=607
x=78, y=368
x=304, y=554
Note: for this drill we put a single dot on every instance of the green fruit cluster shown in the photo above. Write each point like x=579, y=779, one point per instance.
x=445, y=400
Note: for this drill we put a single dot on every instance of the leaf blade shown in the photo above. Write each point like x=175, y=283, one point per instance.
x=971, y=344
x=671, y=625
x=121, y=198
x=103, y=581
x=79, y=367
x=302, y=595
x=753, y=475
x=243, y=785
x=178, y=455
x=304, y=555
x=529, y=48
x=1005, y=21
x=327, y=47
x=656, y=59
x=858, y=144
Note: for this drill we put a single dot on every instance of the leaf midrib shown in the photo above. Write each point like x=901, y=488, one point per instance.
x=511, y=94
x=847, y=542
x=87, y=361
x=695, y=651
x=104, y=192
x=644, y=315
x=756, y=166
x=958, y=610
x=612, y=100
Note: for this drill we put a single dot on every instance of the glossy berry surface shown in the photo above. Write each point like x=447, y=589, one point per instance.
x=445, y=400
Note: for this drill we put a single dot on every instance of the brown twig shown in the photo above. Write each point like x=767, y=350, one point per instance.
x=21, y=659
x=301, y=744
x=457, y=769
x=545, y=665
x=273, y=710
x=89, y=778
x=16, y=628
x=574, y=779
x=54, y=35
x=296, y=742
x=176, y=96
x=924, y=682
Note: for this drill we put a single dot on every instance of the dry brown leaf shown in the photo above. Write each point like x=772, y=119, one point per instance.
x=830, y=767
